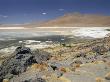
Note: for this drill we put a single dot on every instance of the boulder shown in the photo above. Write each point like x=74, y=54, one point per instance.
x=41, y=56
x=23, y=58
x=35, y=80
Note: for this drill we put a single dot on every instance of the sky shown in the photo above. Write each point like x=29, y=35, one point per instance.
x=26, y=11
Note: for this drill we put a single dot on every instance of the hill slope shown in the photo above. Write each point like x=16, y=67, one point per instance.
x=76, y=19
x=69, y=20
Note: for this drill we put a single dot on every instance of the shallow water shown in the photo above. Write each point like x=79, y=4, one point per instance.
x=13, y=35
x=93, y=32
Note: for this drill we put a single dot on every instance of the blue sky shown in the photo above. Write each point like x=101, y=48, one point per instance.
x=25, y=11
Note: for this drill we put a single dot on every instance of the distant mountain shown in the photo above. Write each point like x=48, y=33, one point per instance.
x=11, y=25
x=77, y=19
x=69, y=20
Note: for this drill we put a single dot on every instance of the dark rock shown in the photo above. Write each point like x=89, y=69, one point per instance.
x=27, y=80
x=100, y=49
x=58, y=73
x=23, y=50
x=35, y=80
x=75, y=62
x=9, y=76
x=20, y=61
x=40, y=80
x=54, y=67
x=42, y=56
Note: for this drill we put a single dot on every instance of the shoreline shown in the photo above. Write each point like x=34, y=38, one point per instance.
x=95, y=32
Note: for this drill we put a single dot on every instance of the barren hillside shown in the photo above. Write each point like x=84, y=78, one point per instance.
x=69, y=20
x=76, y=19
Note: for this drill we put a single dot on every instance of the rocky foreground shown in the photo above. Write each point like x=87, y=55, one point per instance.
x=81, y=62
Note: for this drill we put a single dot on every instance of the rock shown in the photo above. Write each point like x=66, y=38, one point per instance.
x=9, y=76
x=76, y=64
x=55, y=65
x=35, y=80
x=64, y=69
x=40, y=80
x=22, y=59
x=41, y=56
x=81, y=54
x=22, y=50
x=15, y=66
x=107, y=76
x=100, y=49
x=58, y=73
x=38, y=66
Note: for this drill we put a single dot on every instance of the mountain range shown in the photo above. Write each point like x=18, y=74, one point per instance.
x=70, y=20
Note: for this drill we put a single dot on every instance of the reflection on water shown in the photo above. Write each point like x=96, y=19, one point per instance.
x=94, y=32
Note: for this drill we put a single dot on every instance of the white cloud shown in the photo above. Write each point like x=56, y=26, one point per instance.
x=3, y=16
x=61, y=9
x=44, y=13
